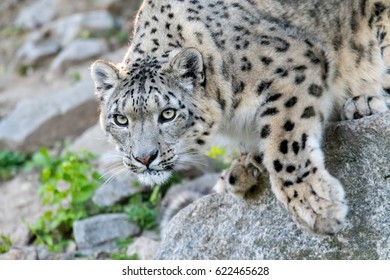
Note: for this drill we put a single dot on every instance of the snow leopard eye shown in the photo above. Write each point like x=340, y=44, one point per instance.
x=167, y=115
x=120, y=120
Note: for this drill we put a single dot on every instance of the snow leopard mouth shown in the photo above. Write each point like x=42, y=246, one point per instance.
x=154, y=177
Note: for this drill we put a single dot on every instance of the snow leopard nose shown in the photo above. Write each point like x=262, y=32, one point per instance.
x=146, y=158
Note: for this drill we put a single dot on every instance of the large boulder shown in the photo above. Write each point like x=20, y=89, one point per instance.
x=223, y=227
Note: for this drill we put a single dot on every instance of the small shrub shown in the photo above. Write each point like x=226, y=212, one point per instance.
x=68, y=184
x=122, y=36
x=122, y=245
x=75, y=76
x=141, y=212
x=142, y=208
x=11, y=31
x=11, y=163
x=5, y=244
x=25, y=70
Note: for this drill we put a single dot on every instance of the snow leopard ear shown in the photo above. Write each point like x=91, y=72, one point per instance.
x=188, y=66
x=106, y=78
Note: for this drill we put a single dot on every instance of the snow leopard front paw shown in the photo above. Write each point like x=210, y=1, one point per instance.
x=360, y=106
x=245, y=174
x=317, y=203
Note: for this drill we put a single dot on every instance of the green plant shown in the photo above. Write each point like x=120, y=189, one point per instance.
x=11, y=162
x=121, y=36
x=141, y=212
x=25, y=70
x=5, y=244
x=122, y=245
x=123, y=256
x=11, y=31
x=142, y=208
x=68, y=183
x=75, y=76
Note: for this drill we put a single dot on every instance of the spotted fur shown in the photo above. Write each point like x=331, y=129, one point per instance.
x=267, y=74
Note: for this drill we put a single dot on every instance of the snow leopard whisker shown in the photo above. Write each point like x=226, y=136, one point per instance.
x=124, y=169
x=113, y=171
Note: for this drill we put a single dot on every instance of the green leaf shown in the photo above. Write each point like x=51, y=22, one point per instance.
x=5, y=244
x=11, y=162
x=48, y=239
x=96, y=176
x=6, y=240
x=142, y=213
x=55, y=224
x=155, y=196
x=46, y=174
x=82, y=196
x=41, y=158
x=123, y=243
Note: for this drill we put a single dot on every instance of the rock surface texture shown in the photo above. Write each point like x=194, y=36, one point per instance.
x=145, y=248
x=31, y=125
x=19, y=207
x=223, y=227
x=98, y=234
x=116, y=189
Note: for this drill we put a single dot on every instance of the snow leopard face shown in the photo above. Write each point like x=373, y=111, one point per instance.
x=156, y=111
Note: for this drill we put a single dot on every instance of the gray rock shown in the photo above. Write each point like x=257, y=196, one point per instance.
x=35, y=253
x=66, y=29
x=42, y=13
x=117, y=188
x=42, y=121
x=78, y=50
x=5, y=5
x=59, y=34
x=144, y=247
x=98, y=234
x=32, y=52
x=181, y=195
x=20, y=206
x=223, y=227
x=44, y=254
x=93, y=140
x=20, y=253
x=91, y=5
x=37, y=14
